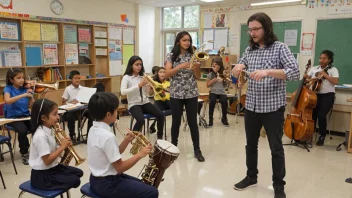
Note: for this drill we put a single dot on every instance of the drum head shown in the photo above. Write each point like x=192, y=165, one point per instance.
x=167, y=146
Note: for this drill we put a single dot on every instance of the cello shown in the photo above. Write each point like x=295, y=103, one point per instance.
x=299, y=125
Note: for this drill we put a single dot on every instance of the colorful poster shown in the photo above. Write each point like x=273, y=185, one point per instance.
x=9, y=31
x=49, y=32
x=115, y=50
x=31, y=31
x=84, y=35
x=71, y=54
x=50, y=54
x=70, y=33
x=340, y=7
x=84, y=50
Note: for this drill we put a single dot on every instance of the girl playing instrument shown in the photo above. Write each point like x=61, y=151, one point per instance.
x=17, y=101
x=47, y=173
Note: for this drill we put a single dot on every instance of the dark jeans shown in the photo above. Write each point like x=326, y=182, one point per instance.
x=324, y=103
x=137, y=112
x=191, y=105
x=123, y=186
x=71, y=118
x=273, y=124
x=212, y=103
x=22, y=128
x=162, y=105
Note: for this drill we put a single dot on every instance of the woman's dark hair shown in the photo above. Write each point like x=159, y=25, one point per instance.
x=330, y=55
x=156, y=76
x=41, y=107
x=155, y=69
x=101, y=103
x=129, y=68
x=11, y=73
x=267, y=25
x=176, y=51
x=219, y=62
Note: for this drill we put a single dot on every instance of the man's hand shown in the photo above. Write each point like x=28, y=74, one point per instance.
x=259, y=74
x=238, y=69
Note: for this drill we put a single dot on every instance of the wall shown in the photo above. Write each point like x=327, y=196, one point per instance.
x=146, y=35
x=340, y=121
x=93, y=10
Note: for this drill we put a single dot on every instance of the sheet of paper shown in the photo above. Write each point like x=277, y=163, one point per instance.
x=84, y=35
x=70, y=33
x=221, y=38
x=208, y=35
x=128, y=36
x=115, y=33
x=290, y=37
x=85, y=93
x=208, y=20
x=50, y=54
x=127, y=53
x=100, y=34
x=115, y=68
x=101, y=52
x=9, y=31
x=101, y=42
x=49, y=32
x=31, y=31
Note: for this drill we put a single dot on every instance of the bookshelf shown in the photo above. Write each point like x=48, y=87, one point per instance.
x=56, y=47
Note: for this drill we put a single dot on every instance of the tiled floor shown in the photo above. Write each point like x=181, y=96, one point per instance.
x=320, y=173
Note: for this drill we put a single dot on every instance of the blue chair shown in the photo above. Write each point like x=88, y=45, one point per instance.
x=7, y=140
x=27, y=187
x=87, y=191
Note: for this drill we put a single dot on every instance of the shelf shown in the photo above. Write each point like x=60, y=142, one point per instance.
x=9, y=41
x=104, y=47
x=45, y=66
x=79, y=65
x=8, y=67
x=79, y=43
x=42, y=42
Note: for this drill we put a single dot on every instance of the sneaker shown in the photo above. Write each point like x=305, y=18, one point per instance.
x=225, y=122
x=320, y=141
x=279, y=192
x=245, y=183
x=199, y=156
x=25, y=158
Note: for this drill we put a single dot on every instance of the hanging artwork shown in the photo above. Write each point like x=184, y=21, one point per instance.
x=6, y=4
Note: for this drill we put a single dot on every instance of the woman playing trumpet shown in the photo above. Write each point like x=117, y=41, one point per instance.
x=217, y=87
x=136, y=87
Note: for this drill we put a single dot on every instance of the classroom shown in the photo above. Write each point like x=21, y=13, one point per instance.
x=197, y=86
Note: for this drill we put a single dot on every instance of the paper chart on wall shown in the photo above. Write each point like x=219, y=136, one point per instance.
x=128, y=52
x=115, y=33
x=128, y=36
x=290, y=37
x=50, y=54
x=49, y=32
x=101, y=42
x=208, y=36
x=115, y=68
x=70, y=33
x=208, y=20
x=9, y=31
x=31, y=31
x=221, y=38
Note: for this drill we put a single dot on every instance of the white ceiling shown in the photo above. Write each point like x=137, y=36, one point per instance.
x=165, y=3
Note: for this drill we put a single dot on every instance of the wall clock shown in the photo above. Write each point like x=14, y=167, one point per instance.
x=57, y=7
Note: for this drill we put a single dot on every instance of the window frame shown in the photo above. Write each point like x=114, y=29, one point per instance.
x=165, y=31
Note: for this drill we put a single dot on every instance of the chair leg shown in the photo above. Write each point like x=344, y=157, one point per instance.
x=12, y=156
x=165, y=127
x=83, y=196
x=68, y=194
x=21, y=193
x=2, y=179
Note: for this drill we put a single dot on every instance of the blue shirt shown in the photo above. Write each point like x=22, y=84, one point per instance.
x=20, y=107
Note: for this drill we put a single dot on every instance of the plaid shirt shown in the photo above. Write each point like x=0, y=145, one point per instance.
x=269, y=94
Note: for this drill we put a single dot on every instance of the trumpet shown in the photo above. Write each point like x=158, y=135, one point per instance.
x=197, y=56
x=70, y=151
x=225, y=76
x=157, y=87
x=40, y=87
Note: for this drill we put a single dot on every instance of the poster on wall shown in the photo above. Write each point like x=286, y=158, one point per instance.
x=307, y=44
x=221, y=20
x=6, y=4
x=340, y=7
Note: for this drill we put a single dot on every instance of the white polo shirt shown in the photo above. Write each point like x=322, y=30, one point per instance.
x=129, y=87
x=71, y=93
x=43, y=143
x=103, y=150
x=326, y=86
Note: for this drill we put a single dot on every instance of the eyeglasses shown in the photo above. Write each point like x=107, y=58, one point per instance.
x=254, y=30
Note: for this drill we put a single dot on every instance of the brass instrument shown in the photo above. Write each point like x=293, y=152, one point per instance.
x=157, y=87
x=140, y=141
x=40, y=87
x=221, y=51
x=70, y=151
x=199, y=56
x=225, y=76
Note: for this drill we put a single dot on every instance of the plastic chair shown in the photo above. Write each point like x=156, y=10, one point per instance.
x=87, y=191
x=27, y=187
x=7, y=140
x=2, y=179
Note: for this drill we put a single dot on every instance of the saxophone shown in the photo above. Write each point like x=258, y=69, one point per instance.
x=70, y=151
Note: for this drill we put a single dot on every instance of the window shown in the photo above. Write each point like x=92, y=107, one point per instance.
x=176, y=19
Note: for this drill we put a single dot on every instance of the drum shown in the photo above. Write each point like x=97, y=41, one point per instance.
x=164, y=154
